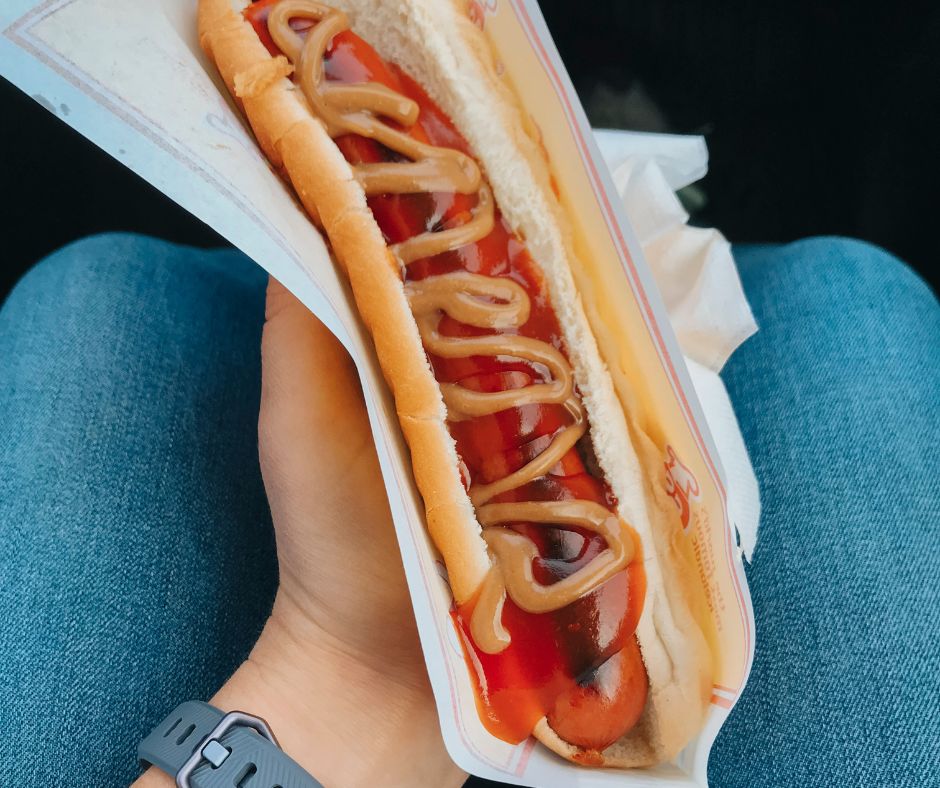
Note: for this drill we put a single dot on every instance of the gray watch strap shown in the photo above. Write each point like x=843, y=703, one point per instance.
x=205, y=748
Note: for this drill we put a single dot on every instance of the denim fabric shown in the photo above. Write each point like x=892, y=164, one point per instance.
x=837, y=397
x=137, y=562
x=136, y=553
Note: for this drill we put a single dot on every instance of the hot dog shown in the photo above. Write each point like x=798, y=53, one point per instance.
x=408, y=152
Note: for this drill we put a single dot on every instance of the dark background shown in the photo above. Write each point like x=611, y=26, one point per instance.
x=819, y=117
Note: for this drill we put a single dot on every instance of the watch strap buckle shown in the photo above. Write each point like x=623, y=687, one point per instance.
x=215, y=755
x=206, y=748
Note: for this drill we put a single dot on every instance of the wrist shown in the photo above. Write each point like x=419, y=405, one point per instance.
x=344, y=719
x=341, y=718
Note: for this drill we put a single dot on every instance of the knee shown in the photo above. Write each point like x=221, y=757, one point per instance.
x=838, y=286
x=113, y=310
x=105, y=284
x=88, y=266
x=111, y=268
x=856, y=268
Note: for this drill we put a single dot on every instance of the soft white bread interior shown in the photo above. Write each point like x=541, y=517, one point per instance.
x=437, y=44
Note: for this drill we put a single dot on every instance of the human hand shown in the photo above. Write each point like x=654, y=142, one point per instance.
x=338, y=671
x=341, y=578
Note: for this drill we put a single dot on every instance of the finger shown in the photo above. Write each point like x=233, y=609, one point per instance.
x=294, y=344
x=322, y=477
x=313, y=422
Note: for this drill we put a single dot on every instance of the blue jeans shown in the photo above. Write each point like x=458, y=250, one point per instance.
x=137, y=560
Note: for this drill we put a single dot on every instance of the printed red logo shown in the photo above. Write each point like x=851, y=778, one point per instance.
x=681, y=485
x=478, y=10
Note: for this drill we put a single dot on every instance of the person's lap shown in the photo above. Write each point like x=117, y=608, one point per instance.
x=137, y=560
x=836, y=396
x=136, y=548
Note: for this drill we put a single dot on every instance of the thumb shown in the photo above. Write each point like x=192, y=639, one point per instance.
x=313, y=418
x=337, y=551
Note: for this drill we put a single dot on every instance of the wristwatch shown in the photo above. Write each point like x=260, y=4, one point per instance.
x=207, y=748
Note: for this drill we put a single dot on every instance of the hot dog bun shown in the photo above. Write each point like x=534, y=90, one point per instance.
x=451, y=58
